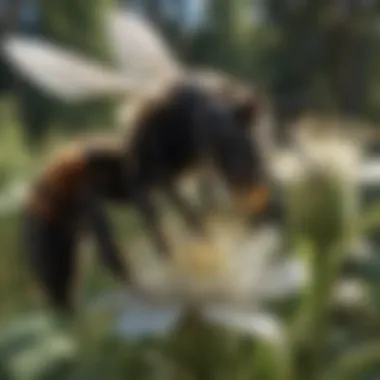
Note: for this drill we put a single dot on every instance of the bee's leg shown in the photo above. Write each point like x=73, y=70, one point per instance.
x=98, y=223
x=148, y=211
x=204, y=254
x=207, y=193
x=193, y=219
x=202, y=246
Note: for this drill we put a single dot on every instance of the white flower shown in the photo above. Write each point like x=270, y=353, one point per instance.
x=243, y=273
x=335, y=153
x=234, y=271
x=325, y=149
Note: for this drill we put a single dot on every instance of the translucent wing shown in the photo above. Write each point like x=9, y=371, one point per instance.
x=62, y=73
x=138, y=48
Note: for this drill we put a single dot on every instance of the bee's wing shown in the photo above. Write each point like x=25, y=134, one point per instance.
x=63, y=73
x=138, y=48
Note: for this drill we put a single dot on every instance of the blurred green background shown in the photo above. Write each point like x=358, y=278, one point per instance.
x=309, y=55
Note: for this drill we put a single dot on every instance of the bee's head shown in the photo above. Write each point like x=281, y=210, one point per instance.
x=246, y=107
x=236, y=155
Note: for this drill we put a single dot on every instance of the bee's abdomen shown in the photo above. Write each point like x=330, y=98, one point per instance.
x=56, y=192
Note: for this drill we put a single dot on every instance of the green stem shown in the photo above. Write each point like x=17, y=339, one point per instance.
x=324, y=275
x=322, y=284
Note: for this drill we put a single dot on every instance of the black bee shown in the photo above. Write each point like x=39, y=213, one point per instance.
x=175, y=130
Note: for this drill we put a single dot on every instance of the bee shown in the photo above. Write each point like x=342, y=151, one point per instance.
x=175, y=130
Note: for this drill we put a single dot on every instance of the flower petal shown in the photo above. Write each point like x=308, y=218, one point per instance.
x=254, y=323
x=138, y=318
